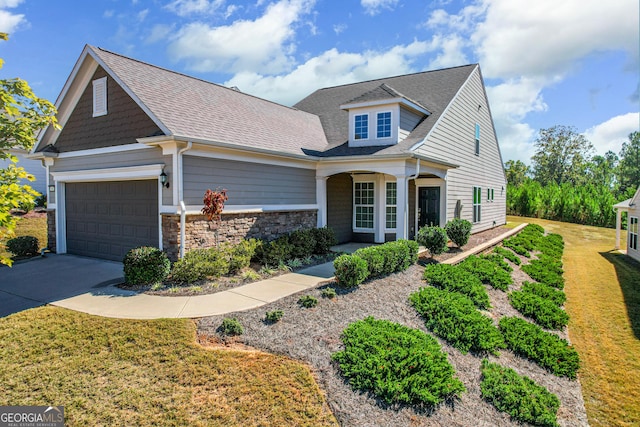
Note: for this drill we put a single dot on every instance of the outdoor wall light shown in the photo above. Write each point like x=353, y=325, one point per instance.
x=163, y=180
x=52, y=188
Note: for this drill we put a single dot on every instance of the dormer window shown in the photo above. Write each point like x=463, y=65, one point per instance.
x=100, y=97
x=361, y=126
x=384, y=125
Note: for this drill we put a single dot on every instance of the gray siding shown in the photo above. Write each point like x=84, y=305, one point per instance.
x=340, y=206
x=453, y=140
x=408, y=121
x=412, y=209
x=248, y=183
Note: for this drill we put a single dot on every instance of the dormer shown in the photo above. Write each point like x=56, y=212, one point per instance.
x=382, y=116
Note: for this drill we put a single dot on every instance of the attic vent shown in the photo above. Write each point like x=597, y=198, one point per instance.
x=235, y=88
x=100, y=97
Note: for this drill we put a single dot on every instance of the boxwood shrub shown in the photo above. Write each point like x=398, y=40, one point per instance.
x=507, y=254
x=547, y=292
x=303, y=243
x=455, y=279
x=545, y=348
x=488, y=272
x=350, y=270
x=145, y=265
x=275, y=252
x=23, y=246
x=544, y=312
x=200, y=264
x=375, y=257
x=396, y=363
x=459, y=231
x=325, y=238
x=240, y=254
x=517, y=395
x=434, y=239
x=454, y=317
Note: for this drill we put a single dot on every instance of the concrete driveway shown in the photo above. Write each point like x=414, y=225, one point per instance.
x=40, y=281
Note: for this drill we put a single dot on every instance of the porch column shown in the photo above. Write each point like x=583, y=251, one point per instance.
x=402, y=211
x=618, y=225
x=380, y=210
x=321, y=200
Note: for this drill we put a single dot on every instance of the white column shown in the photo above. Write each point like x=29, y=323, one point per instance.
x=402, y=208
x=618, y=221
x=380, y=208
x=321, y=200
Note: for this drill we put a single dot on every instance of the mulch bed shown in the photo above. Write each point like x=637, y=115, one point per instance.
x=312, y=335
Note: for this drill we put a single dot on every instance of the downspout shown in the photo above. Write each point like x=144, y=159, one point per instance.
x=183, y=208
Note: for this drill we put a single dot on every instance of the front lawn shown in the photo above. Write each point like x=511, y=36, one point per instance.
x=143, y=373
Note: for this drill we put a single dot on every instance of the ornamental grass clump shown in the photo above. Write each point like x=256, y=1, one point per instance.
x=518, y=396
x=397, y=364
x=488, y=272
x=455, y=279
x=544, y=312
x=454, y=317
x=544, y=348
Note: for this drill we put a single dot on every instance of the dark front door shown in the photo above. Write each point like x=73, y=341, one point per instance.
x=428, y=206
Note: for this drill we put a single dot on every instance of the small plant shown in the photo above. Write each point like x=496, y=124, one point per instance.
x=351, y=270
x=455, y=279
x=507, y=254
x=157, y=286
x=284, y=267
x=307, y=260
x=266, y=270
x=294, y=263
x=454, y=317
x=434, y=239
x=545, y=313
x=273, y=316
x=145, y=265
x=396, y=363
x=240, y=254
x=488, y=272
x=328, y=293
x=459, y=231
x=249, y=275
x=546, y=349
x=23, y=246
x=230, y=327
x=519, y=396
x=308, y=301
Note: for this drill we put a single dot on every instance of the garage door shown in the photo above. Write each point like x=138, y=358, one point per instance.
x=106, y=219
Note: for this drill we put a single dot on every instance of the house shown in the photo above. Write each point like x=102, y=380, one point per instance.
x=34, y=167
x=375, y=160
x=632, y=207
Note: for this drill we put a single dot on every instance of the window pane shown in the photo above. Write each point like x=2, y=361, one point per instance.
x=391, y=217
x=384, y=125
x=361, y=128
x=391, y=193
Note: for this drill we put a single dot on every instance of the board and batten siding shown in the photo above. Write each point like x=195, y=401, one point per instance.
x=453, y=140
x=408, y=121
x=247, y=183
x=120, y=159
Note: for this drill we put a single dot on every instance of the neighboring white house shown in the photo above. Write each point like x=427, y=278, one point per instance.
x=632, y=207
x=34, y=167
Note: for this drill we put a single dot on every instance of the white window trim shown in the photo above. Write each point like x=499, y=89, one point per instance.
x=390, y=124
x=477, y=218
x=633, y=231
x=390, y=230
x=100, y=97
x=476, y=138
x=355, y=116
x=360, y=229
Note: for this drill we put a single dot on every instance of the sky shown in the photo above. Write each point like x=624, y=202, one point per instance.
x=545, y=62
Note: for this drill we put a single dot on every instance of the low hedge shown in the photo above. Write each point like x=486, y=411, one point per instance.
x=297, y=244
x=199, y=264
x=396, y=363
x=23, y=246
x=544, y=273
x=454, y=317
x=518, y=395
x=145, y=265
x=507, y=254
x=488, y=272
x=455, y=279
x=547, y=292
x=544, y=312
x=350, y=270
x=545, y=348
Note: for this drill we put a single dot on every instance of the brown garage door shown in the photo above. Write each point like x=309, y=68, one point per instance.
x=106, y=219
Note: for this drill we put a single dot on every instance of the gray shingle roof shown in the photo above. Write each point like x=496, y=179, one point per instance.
x=191, y=107
x=433, y=90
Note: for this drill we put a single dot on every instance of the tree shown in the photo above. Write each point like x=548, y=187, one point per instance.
x=517, y=172
x=562, y=156
x=22, y=116
x=629, y=166
x=602, y=169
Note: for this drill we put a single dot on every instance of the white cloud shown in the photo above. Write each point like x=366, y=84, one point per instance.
x=452, y=52
x=373, y=7
x=9, y=3
x=610, y=134
x=190, y=7
x=331, y=68
x=339, y=28
x=142, y=15
x=9, y=22
x=159, y=32
x=266, y=43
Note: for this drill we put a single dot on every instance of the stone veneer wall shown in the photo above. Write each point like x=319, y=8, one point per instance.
x=51, y=230
x=200, y=232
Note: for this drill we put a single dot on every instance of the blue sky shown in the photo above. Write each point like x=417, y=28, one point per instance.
x=545, y=62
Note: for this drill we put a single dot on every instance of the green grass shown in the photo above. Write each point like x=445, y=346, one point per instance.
x=35, y=226
x=129, y=372
x=603, y=301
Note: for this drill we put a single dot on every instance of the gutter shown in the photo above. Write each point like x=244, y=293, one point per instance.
x=183, y=208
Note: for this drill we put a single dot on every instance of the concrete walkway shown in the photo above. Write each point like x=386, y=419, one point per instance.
x=111, y=301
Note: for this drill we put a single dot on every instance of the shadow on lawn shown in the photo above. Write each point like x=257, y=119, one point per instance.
x=628, y=272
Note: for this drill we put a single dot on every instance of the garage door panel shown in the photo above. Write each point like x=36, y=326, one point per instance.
x=106, y=219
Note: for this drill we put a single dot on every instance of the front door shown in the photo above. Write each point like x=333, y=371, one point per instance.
x=428, y=206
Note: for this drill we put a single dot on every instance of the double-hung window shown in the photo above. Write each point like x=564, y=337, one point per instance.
x=392, y=210
x=384, y=125
x=477, y=204
x=633, y=233
x=489, y=194
x=363, y=201
x=361, y=126
x=477, y=139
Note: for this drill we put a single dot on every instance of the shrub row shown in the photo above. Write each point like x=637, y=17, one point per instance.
x=396, y=363
x=525, y=241
x=374, y=261
x=488, y=272
x=455, y=279
x=297, y=244
x=498, y=260
x=454, y=317
x=544, y=291
x=518, y=395
x=545, y=348
x=507, y=254
x=545, y=312
x=546, y=273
